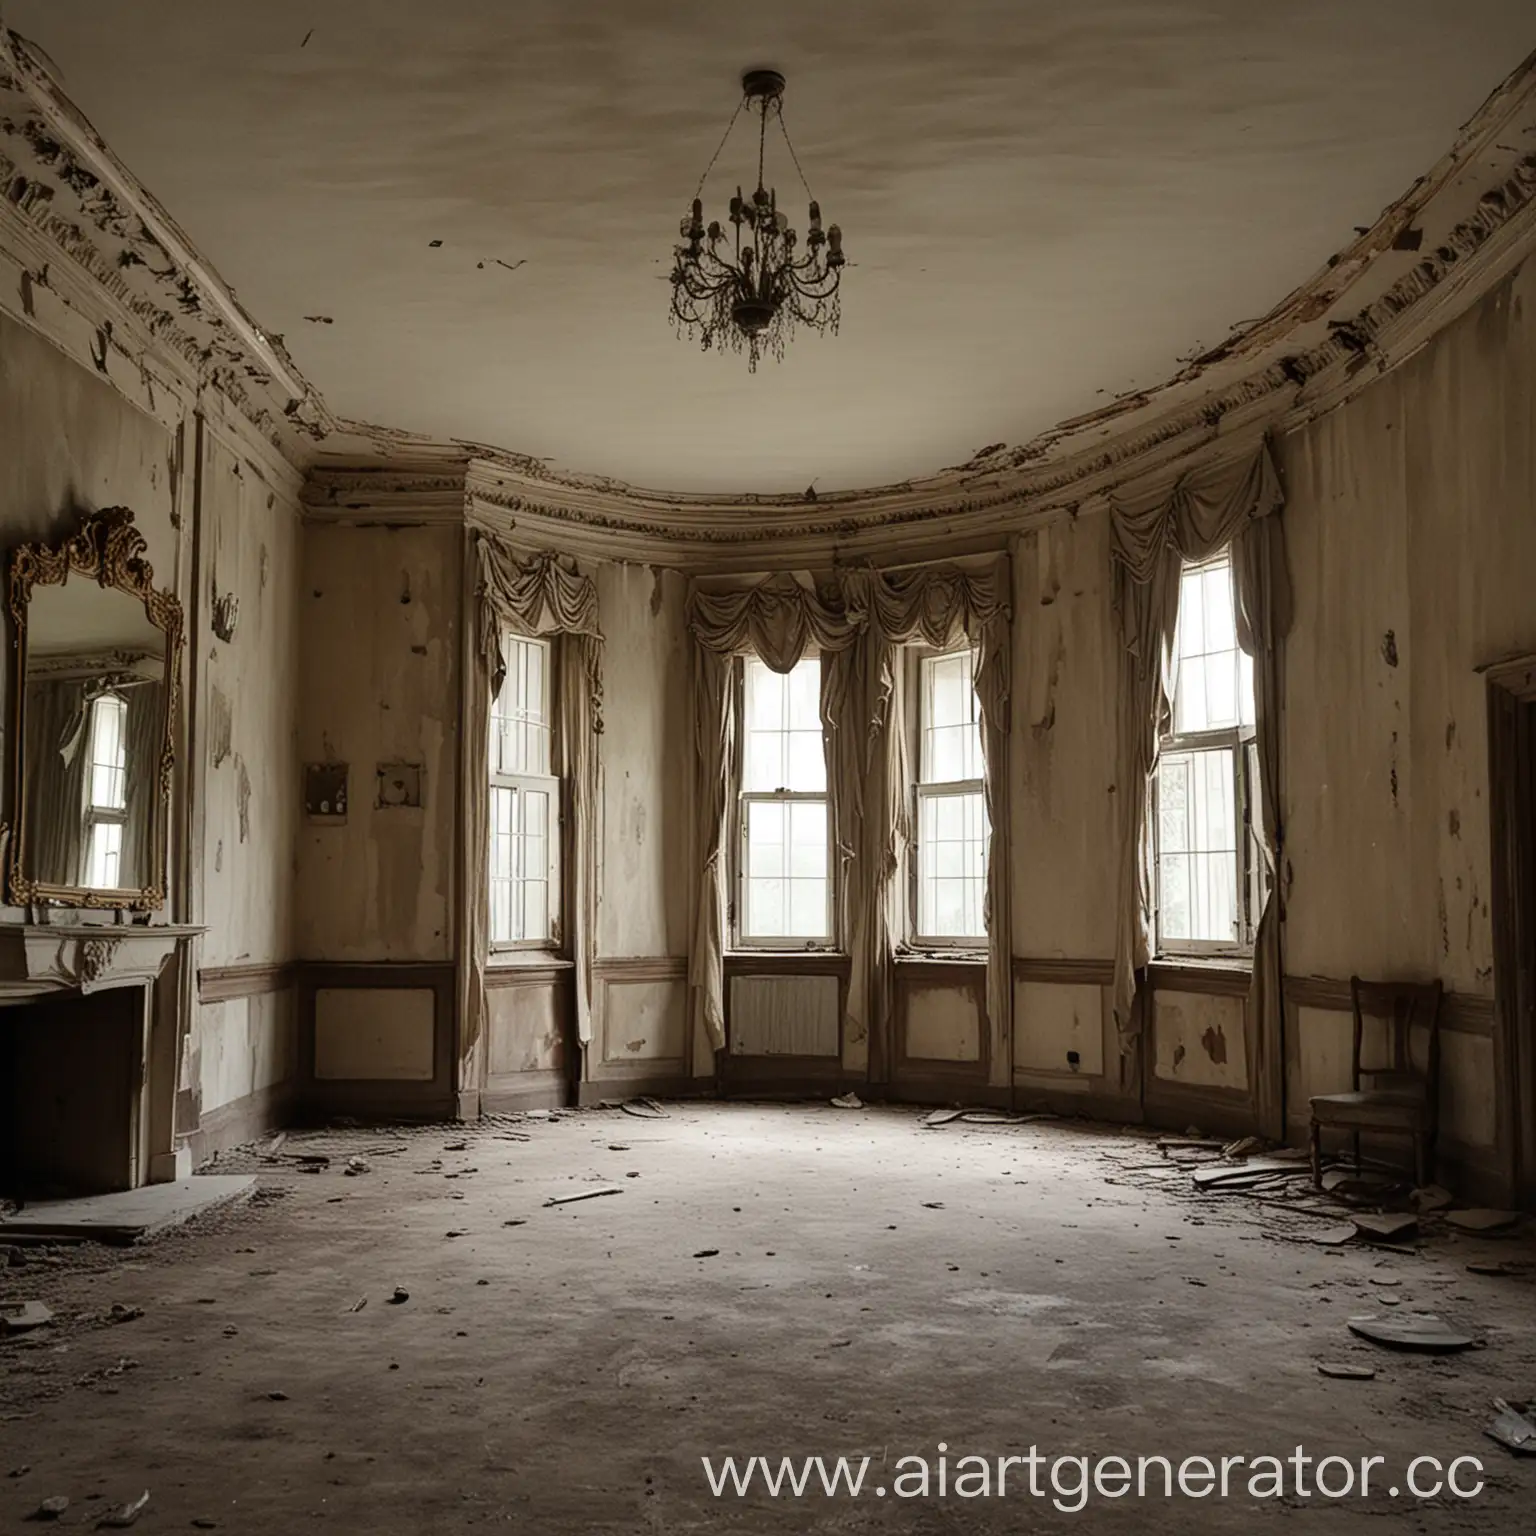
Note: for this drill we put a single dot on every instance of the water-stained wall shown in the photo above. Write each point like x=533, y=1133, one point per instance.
x=1411, y=525
x=380, y=615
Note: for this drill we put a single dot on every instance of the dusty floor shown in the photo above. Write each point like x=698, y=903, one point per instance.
x=878, y=1289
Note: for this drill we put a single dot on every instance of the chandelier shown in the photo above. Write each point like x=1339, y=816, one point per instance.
x=749, y=288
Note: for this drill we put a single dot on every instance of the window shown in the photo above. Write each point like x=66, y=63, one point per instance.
x=525, y=801
x=1208, y=867
x=784, y=890
x=106, y=792
x=951, y=819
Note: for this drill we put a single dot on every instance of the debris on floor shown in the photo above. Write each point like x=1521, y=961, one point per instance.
x=1342, y=1371
x=23, y=1316
x=1513, y=1429
x=1389, y=1228
x=126, y=1514
x=357, y=1165
x=584, y=1194
x=52, y=1508
x=1420, y=1333
x=399, y=1296
x=643, y=1108
x=1431, y=1198
x=847, y=1101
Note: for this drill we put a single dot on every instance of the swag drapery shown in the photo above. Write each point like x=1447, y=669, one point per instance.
x=1222, y=503
x=857, y=631
x=938, y=606
x=538, y=597
x=778, y=621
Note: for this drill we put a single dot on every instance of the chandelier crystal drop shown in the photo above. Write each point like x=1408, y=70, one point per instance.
x=749, y=286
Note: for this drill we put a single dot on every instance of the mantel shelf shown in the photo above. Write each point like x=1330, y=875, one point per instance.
x=37, y=959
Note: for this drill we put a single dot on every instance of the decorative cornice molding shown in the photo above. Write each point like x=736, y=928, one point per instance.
x=1455, y=233
x=58, y=174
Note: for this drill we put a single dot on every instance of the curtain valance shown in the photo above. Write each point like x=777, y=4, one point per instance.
x=777, y=620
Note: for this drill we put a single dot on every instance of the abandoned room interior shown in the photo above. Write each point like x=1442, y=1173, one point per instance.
x=872, y=813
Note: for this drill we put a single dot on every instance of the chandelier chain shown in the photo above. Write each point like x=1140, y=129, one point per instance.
x=790, y=144
x=699, y=190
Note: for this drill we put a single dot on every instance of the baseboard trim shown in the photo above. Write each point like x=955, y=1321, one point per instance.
x=243, y=1120
x=616, y=1089
x=513, y=1091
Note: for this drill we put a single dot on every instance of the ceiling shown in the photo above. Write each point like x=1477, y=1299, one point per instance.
x=1045, y=205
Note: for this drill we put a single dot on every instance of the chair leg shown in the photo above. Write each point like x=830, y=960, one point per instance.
x=1317, y=1155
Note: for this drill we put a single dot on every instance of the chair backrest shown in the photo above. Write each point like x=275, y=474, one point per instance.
x=1405, y=1006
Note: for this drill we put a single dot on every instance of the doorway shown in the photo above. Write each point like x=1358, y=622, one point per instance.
x=1512, y=811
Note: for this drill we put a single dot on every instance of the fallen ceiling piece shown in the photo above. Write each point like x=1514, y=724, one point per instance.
x=1261, y=1170
x=1387, y=1228
x=1502, y=1267
x=643, y=1109
x=130, y=1214
x=847, y=1101
x=1431, y=1198
x=1332, y=1237
x=585, y=1194
x=942, y=1117
x=1483, y=1221
x=1512, y=1429
x=1341, y=1371
x=1418, y=1332
x=23, y=1316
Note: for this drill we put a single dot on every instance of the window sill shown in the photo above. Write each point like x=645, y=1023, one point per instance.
x=1222, y=975
x=528, y=960
x=941, y=957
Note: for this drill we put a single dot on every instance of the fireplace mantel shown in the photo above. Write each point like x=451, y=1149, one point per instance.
x=37, y=959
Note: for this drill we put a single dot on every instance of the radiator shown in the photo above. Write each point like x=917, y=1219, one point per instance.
x=784, y=1016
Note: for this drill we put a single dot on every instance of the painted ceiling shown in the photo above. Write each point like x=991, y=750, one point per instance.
x=460, y=216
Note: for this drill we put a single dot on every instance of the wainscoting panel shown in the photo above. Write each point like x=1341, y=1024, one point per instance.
x=639, y=1028
x=377, y=1039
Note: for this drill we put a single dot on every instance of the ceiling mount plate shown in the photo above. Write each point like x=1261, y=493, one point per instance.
x=762, y=82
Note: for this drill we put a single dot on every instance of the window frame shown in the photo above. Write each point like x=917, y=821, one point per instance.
x=1242, y=741
x=783, y=944
x=552, y=784
x=918, y=659
x=92, y=814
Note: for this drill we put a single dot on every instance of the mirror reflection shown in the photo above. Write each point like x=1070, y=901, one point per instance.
x=94, y=723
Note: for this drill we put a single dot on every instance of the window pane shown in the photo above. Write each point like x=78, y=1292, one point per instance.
x=108, y=781
x=950, y=727
x=520, y=715
x=503, y=832
x=952, y=865
x=1197, y=846
x=785, y=893
x=1213, y=685
x=783, y=749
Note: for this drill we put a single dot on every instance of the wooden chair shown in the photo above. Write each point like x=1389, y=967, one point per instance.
x=1401, y=1100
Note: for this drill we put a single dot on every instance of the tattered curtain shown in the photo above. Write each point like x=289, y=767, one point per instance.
x=1234, y=502
x=779, y=621
x=939, y=606
x=538, y=597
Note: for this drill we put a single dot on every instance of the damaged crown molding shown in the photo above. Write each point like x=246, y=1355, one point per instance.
x=59, y=176
x=1429, y=256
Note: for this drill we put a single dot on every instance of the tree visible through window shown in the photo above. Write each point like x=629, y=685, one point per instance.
x=525, y=801
x=784, y=888
x=952, y=827
x=1207, y=864
x=106, y=792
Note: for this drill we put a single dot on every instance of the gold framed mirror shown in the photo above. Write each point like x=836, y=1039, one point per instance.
x=93, y=718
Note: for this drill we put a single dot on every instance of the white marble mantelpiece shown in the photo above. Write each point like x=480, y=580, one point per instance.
x=38, y=959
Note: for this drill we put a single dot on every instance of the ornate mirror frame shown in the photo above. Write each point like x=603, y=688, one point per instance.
x=109, y=550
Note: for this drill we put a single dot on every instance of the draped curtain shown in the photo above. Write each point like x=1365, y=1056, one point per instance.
x=537, y=597
x=778, y=621
x=56, y=751
x=938, y=606
x=1152, y=535
x=146, y=730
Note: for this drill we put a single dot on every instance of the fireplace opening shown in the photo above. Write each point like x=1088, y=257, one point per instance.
x=69, y=1088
